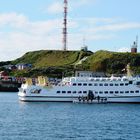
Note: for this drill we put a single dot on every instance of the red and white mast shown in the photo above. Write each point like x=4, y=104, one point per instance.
x=65, y=25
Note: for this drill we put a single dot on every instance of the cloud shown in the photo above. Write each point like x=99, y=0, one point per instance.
x=124, y=49
x=117, y=27
x=19, y=34
x=55, y=8
x=109, y=25
x=79, y=3
x=12, y=19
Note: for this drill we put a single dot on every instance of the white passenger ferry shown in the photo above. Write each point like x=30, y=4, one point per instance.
x=84, y=89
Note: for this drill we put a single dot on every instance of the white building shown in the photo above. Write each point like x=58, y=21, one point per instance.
x=89, y=74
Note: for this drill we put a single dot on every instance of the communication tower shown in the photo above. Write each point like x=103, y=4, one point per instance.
x=65, y=25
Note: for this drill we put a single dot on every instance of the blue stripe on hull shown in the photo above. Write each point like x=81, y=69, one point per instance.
x=124, y=100
x=127, y=99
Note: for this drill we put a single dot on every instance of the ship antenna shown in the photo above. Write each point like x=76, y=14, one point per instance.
x=84, y=41
x=137, y=40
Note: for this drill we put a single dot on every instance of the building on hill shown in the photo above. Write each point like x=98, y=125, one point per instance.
x=10, y=67
x=89, y=74
x=3, y=73
x=84, y=48
x=23, y=66
x=134, y=46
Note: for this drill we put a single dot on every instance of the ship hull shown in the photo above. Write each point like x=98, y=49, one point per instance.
x=8, y=89
x=119, y=99
x=127, y=99
x=9, y=86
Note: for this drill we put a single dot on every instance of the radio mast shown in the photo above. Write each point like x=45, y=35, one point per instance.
x=65, y=25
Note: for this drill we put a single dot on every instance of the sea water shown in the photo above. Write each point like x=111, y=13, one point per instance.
x=67, y=121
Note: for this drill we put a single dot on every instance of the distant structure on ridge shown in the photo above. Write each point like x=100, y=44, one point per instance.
x=84, y=47
x=134, y=46
x=65, y=25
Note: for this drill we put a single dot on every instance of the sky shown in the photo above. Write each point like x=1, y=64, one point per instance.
x=30, y=25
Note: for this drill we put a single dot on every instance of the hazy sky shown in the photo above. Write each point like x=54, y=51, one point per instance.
x=29, y=25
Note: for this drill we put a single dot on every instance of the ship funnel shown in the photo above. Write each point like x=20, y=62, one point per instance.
x=43, y=81
x=28, y=81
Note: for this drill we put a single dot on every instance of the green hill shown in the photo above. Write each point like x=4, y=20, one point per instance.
x=49, y=58
x=52, y=63
x=113, y=62
x=63, y=63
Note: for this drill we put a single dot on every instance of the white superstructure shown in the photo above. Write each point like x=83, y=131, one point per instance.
x=113, y=89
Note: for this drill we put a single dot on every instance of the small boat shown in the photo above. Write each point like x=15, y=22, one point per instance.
x=9, y=86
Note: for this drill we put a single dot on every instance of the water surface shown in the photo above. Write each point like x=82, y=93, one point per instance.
x=67, y=121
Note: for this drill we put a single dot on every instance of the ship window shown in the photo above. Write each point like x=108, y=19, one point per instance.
x=126, y=84
x=111, y=84
x=101, y=92
x=79, y=84
x=68, y=91
x=116, y=91
x=121, y=92
x=90, y=84
x=111, y=92
x=130, y=82
x=63, y=91
x=126, y=91
x=125, y=79
x=79, y=91
x=74, y=84
x=116, y=85
x=100, y=84
x=131, y=91
x=84, y=91
x=137, y=91
x=35, y=91
x=95, y=84
x=96, y=92
x=106, y=92
x=138, y=83
x=121, y=84
x=105, y=84
x=74, y=92
x=85, y=84
x=58, y=91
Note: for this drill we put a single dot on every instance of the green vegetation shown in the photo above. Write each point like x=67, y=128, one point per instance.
x=63, y=63
x=49, y=58
x=113, y=62
x=50, y=62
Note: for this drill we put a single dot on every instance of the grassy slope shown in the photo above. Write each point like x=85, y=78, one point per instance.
x=47, y=58
x=113, y=62
x=110, y=62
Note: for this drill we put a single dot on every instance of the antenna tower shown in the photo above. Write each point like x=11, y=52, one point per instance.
x=137, y=40
x=65, y=25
